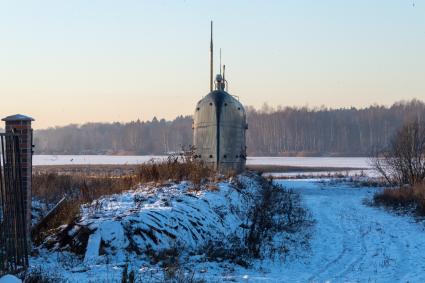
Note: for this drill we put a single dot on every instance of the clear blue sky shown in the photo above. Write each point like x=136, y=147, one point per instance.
x=76, y=61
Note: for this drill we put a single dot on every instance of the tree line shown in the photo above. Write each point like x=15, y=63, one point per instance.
x=281, y=131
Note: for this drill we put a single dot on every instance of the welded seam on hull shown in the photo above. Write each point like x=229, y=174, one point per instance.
x=218, y=101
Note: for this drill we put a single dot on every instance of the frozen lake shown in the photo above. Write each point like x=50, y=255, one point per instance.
x=352, y=162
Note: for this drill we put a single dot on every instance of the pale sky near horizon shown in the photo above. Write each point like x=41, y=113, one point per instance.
x=77, y=61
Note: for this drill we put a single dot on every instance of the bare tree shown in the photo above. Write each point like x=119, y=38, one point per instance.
x=403, y=161
x=282, y=131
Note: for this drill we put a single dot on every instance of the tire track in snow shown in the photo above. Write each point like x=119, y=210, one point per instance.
x=354, y=227
x=322, y=274
x=352, y=253
x=363, y=231
x=354, y=242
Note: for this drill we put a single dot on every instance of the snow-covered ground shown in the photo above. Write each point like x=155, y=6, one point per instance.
x=350, y=241
x=353, y=242
x=134, y=227
x=352, y=162
x=10, y=279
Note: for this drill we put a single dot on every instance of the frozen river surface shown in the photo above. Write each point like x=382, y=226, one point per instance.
x=353, y=162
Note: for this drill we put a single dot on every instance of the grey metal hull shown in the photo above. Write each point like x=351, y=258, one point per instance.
x=219, y=132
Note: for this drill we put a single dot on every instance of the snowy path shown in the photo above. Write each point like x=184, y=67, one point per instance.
x=353, y=242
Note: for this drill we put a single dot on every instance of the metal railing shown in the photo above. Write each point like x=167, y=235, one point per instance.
x=13, y=234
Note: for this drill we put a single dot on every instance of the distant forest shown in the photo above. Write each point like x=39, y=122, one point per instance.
x=282, y=131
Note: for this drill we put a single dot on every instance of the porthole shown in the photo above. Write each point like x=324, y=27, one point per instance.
x=197, y=109
x=210, y=103
x=211, y=156
x=239, y=108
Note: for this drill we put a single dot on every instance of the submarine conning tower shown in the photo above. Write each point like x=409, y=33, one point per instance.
x=219, y=124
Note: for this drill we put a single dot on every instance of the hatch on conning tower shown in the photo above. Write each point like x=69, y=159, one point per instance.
x=219, y=125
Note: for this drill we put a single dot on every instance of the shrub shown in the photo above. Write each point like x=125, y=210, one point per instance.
x=276, y=210
x=406, y=199
x=171, y=261
x=233, y=249
x=273, y=212
x=127, y=277
x=402, y=162
x=179, y=167
x=41, y=276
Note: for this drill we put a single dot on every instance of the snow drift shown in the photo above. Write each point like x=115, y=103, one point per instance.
x=133, y=227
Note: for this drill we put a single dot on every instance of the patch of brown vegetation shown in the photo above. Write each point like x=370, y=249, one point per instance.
x=175, y=168
x=211, y=187
x=51, y=187
x=77, y=189
x=89, y=170
x=410, y=198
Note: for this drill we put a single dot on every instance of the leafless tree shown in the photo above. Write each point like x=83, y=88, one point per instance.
x=403, y=161
x=281, y=131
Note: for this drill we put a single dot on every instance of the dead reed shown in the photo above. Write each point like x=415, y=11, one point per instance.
x=175, y=168
x=411, y=198
x=51, y=187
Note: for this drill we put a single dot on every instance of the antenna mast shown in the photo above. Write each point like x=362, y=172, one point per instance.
x=211, y=59
x=220, y=61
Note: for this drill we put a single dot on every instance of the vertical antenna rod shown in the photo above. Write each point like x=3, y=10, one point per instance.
x=211, y=59
x=220, y=61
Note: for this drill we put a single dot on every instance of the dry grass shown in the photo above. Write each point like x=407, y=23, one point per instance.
x=115, y=170
x=80, y=188
x=175, y=168
x=51, y=187
x=410, y=198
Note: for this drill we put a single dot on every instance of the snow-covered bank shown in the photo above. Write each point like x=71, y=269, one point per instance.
x=140, y=228
x=9, y=279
